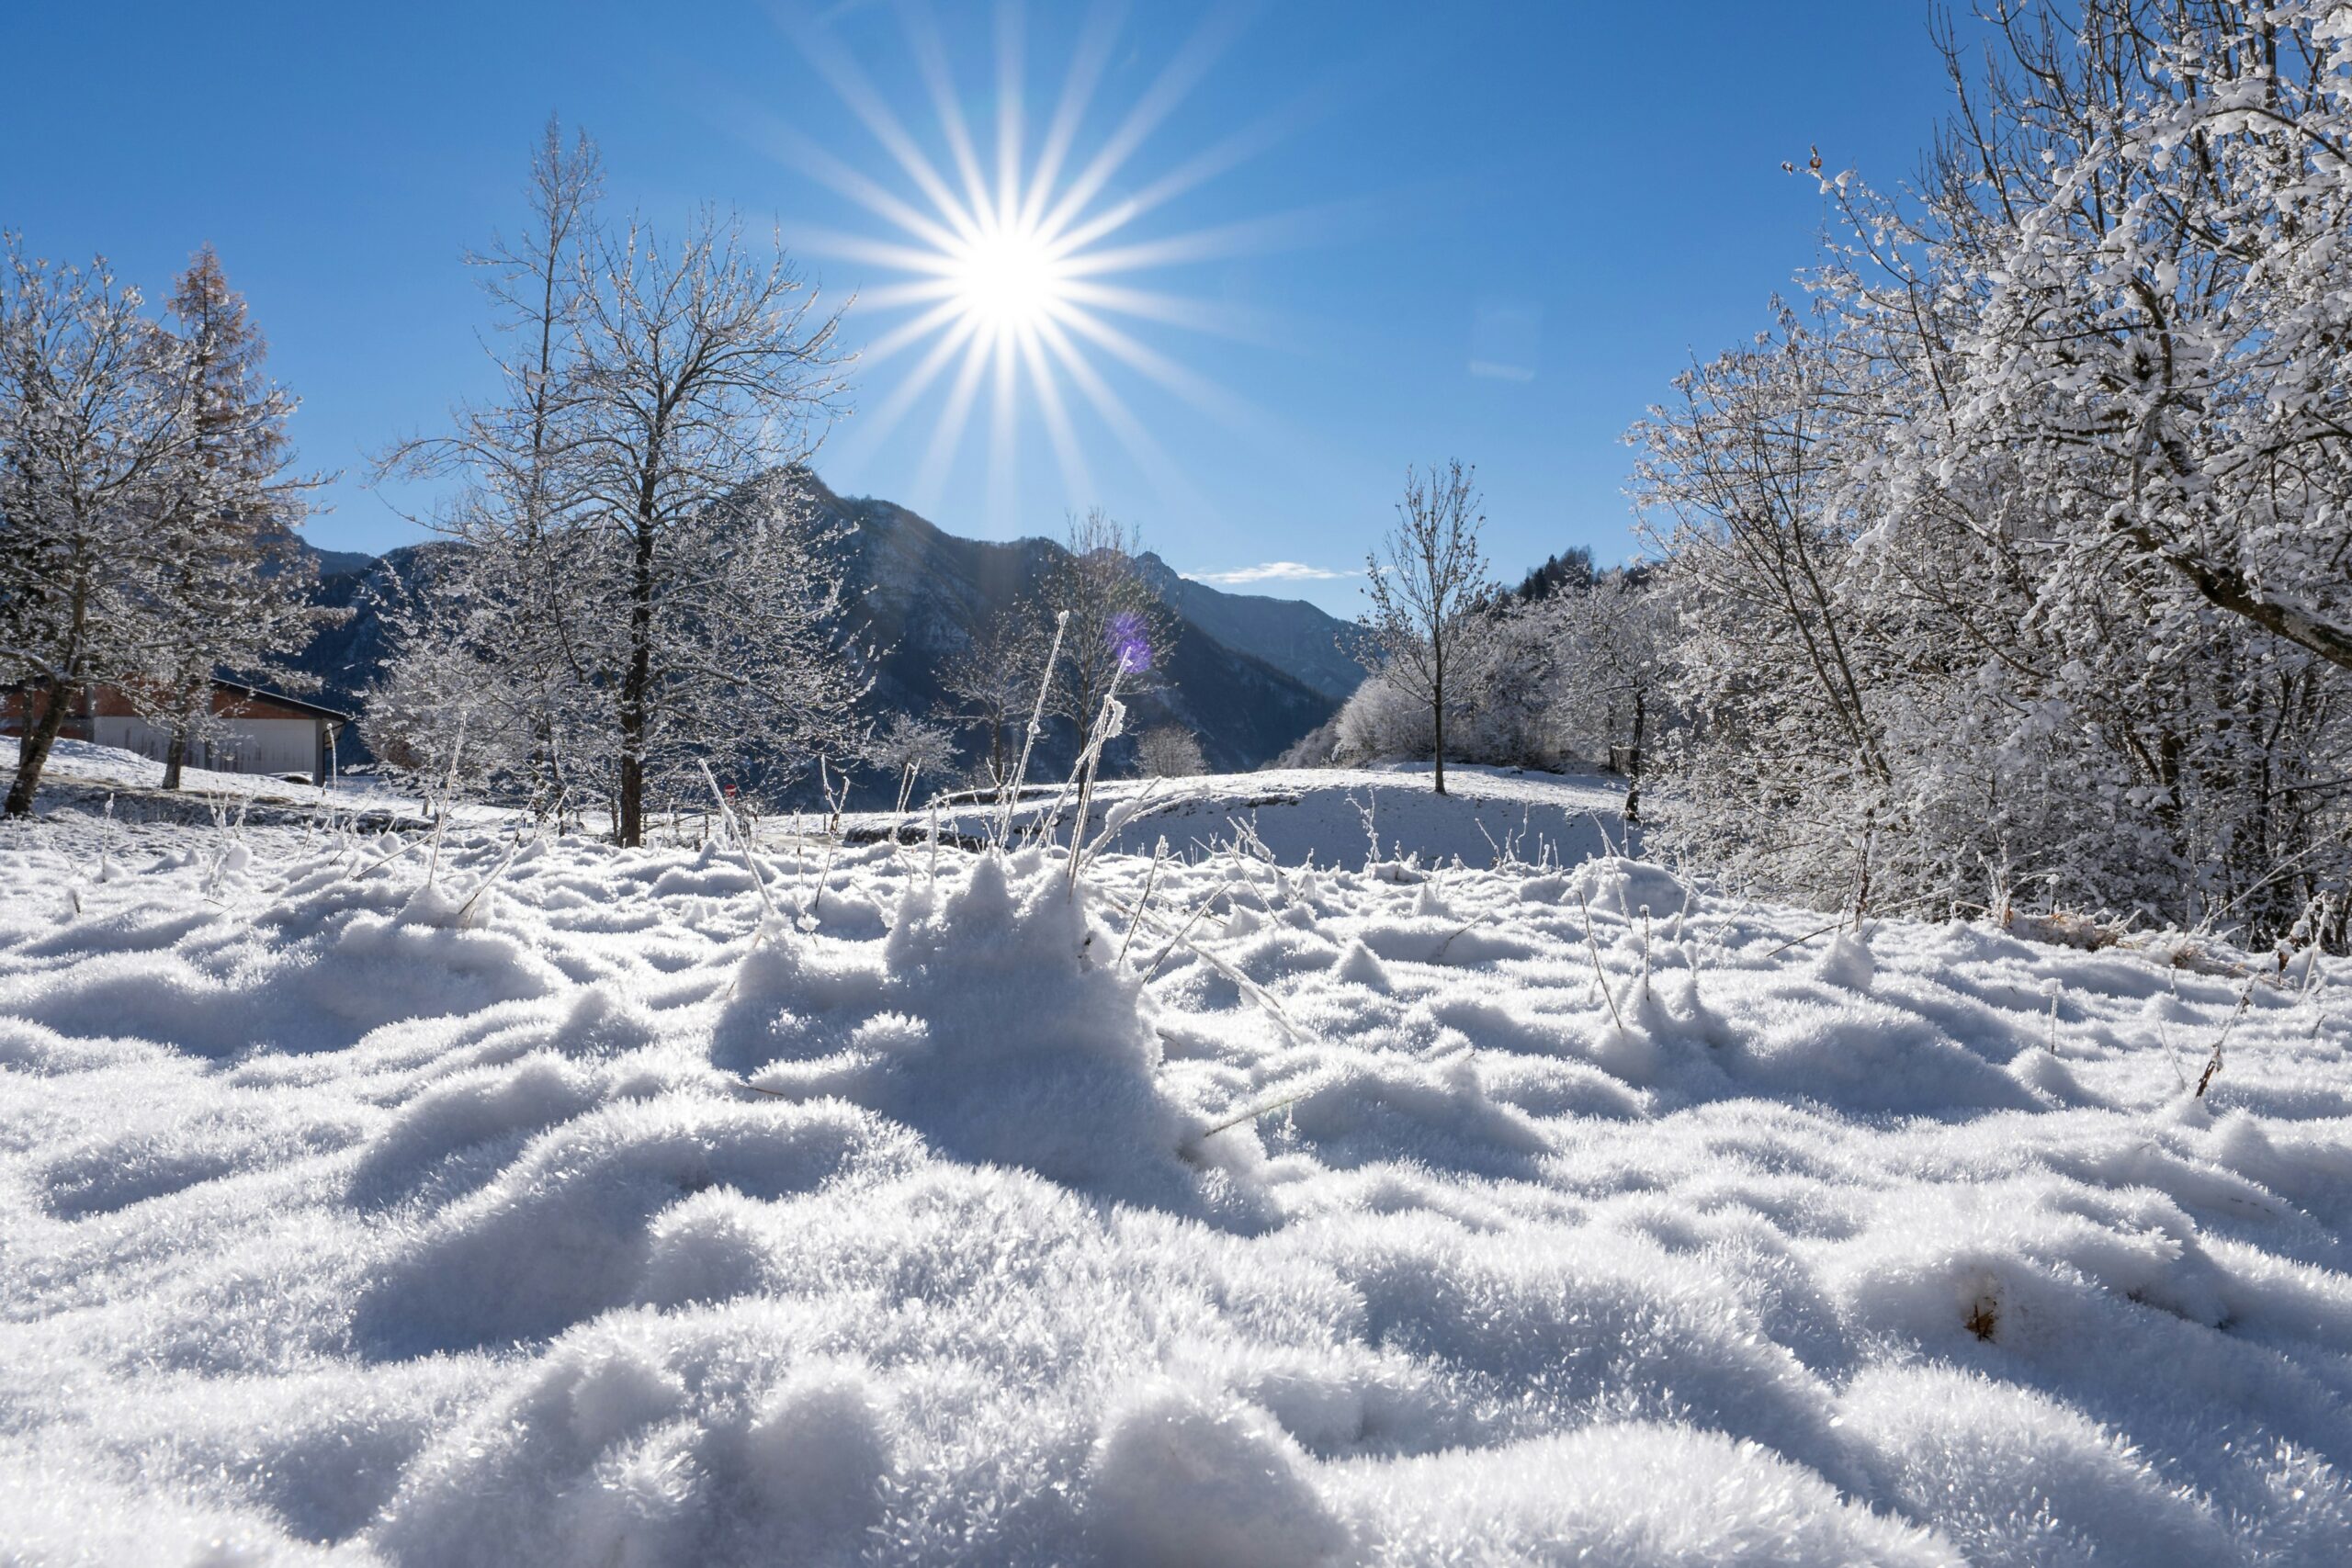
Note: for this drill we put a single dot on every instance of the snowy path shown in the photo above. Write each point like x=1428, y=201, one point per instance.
x=586, y=1229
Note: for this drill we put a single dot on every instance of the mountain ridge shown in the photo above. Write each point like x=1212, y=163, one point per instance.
x=924, y=592
x=1248, y=675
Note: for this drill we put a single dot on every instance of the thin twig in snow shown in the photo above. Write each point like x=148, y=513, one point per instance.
x=1144, y=902
x=1600, y=974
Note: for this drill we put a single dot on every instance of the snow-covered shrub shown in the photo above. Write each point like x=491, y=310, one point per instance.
x=906, y=750
x=1170, y=752
x=1378, y=722
x=1499, y=708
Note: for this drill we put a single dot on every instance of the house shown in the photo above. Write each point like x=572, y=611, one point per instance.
x=253, y=732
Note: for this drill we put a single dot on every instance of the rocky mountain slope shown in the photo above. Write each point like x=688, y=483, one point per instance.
x=924, y=592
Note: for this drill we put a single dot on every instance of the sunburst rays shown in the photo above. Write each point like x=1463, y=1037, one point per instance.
x=1009, y=266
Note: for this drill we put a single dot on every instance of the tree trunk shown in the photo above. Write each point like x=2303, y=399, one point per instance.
x=635, y=686
x=1437, y=708
x=175, y=754
x=1633, y=766
x=32, y=751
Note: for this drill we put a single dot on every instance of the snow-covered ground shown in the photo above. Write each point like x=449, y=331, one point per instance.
x=1334, y=816
x=84, y=765
x=572, y=1209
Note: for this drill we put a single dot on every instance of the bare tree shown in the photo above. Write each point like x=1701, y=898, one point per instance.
x=993, y=683
x=709, y=370
x=525, y=507
x=650, y=581
x=1119, y=635
x=1433, y=583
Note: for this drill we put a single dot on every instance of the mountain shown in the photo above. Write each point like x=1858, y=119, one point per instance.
x=346, y=658
x=1291, y=635
x=923, y=592
x=337, y=563
x=1248, y=675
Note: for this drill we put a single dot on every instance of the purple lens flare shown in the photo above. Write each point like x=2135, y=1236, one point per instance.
x=1131, y=642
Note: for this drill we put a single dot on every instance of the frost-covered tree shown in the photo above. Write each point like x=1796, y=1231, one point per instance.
x=2111, y=337
x=992, y=686
x=96, y=424
x=1118, y=634
x=1501, y=689
x=1170, y=752
x=2021, y=560
x=2141, y=220
x=439, y=715
x=1743, y=482
x=1571, y=677
x=148, y=508
x=1609, y=671
x=650, y=582
x=907, y=747
x=708, y=369
x=1428, y=581
x=232, y=587
x=1380, y=723
x=522, y=505
x=1499, y=699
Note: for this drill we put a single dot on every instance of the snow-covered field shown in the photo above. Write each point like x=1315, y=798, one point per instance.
x=80, y=768
x=1336, y=816
x=584, y=1220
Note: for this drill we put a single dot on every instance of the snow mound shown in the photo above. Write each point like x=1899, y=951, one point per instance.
x=564, y=1232
x=993, y=1019
x=1628, y=1495
x=1341, y=817
x=1177, y=1480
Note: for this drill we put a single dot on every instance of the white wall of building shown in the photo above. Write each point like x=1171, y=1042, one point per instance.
x=236, y=746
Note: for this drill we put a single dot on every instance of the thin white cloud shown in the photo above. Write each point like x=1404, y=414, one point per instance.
x=1271, y=571
x=1506, y=336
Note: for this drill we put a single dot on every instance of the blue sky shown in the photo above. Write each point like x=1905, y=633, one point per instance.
x=1486, y=231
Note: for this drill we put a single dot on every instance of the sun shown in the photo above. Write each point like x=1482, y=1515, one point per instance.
x=1015, y=262
x=1008, y=280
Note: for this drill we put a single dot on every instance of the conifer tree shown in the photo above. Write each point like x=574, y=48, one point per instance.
x=233, y=589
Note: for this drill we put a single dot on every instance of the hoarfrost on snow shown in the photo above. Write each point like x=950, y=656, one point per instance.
x=1394, y=1210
